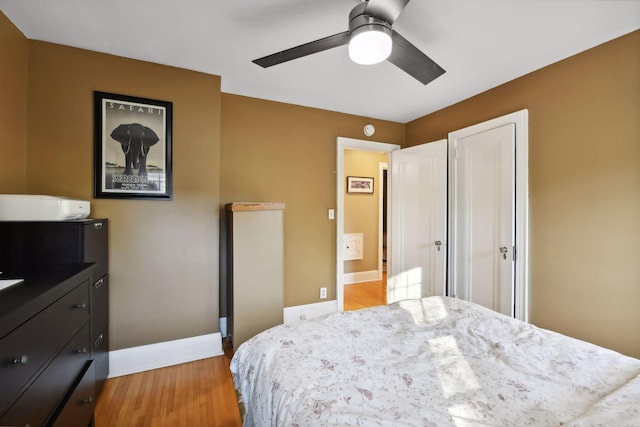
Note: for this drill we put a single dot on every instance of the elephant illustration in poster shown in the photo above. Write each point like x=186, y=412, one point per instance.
x=136, y=141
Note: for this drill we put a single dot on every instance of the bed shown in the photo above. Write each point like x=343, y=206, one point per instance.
x=433, y=361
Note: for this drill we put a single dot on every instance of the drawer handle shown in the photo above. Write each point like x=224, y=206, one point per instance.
x=21, y=361
x=97, y=225
x=80, y=306
x=88, y=400
x=98, y=341
x=98, y=283
x=82, y=350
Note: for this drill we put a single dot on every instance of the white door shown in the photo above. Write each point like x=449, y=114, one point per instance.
x=417, y=220
x=483, y=199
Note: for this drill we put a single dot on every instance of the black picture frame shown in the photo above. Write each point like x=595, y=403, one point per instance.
x=133, y=147
x=360, y=184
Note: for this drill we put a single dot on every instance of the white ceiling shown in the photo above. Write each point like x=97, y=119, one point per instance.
x=480, y=43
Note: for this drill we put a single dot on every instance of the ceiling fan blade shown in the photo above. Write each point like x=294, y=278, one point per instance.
x=411, y=60
x=387, y=10
x=303, y=50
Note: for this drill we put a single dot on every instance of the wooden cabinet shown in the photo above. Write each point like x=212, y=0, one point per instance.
x=44, y=343
x=99, y=297
x=255, y=270
x=27, y=243
x=59, y=321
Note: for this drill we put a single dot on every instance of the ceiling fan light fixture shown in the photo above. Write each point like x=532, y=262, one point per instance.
x=370, y=44
x=371, y=40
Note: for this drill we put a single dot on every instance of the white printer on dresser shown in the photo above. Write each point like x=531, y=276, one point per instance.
x=28, y=207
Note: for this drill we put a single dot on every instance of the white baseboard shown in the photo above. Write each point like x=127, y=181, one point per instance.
x=153, y=356
x=360, y=276
x=309, y=311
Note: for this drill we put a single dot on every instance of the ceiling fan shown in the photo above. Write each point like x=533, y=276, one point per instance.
x=371, y=40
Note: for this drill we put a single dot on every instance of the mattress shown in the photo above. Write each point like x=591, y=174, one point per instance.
x=434, y=361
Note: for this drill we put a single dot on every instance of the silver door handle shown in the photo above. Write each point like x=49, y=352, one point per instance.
x=504, y=250
x=438, y=244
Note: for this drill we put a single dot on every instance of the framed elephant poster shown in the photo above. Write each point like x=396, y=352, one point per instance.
x=132, y=147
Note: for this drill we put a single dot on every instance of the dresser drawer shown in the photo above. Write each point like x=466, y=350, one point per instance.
x=78, y=409
x=47, y=392
x=25, y=351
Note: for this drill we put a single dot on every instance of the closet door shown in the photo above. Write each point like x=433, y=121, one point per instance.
x=417, y=213
x=483, y=219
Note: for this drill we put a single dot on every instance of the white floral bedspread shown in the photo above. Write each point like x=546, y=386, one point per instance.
x=431, y=362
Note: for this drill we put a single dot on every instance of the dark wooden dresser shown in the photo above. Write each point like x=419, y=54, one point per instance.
x=53, y=326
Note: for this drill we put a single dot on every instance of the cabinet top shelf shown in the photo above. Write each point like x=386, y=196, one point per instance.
x=254, y=206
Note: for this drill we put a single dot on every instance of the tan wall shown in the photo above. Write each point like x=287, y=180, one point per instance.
x=584, y=176
x=14, y=58
x=163, y=254
x=361, y=211
x=287, y=153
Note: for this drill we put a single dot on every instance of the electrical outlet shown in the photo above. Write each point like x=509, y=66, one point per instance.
x=323, y=293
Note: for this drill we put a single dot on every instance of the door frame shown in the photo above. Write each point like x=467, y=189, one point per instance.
x=382, y=166
x=342, y=144
x=521, y=269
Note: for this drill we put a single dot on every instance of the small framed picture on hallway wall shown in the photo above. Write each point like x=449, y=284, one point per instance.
x=132, y=147
x=359, y=184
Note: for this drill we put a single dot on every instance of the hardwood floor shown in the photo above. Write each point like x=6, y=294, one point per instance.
x=196, y=394
x=366, y=294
